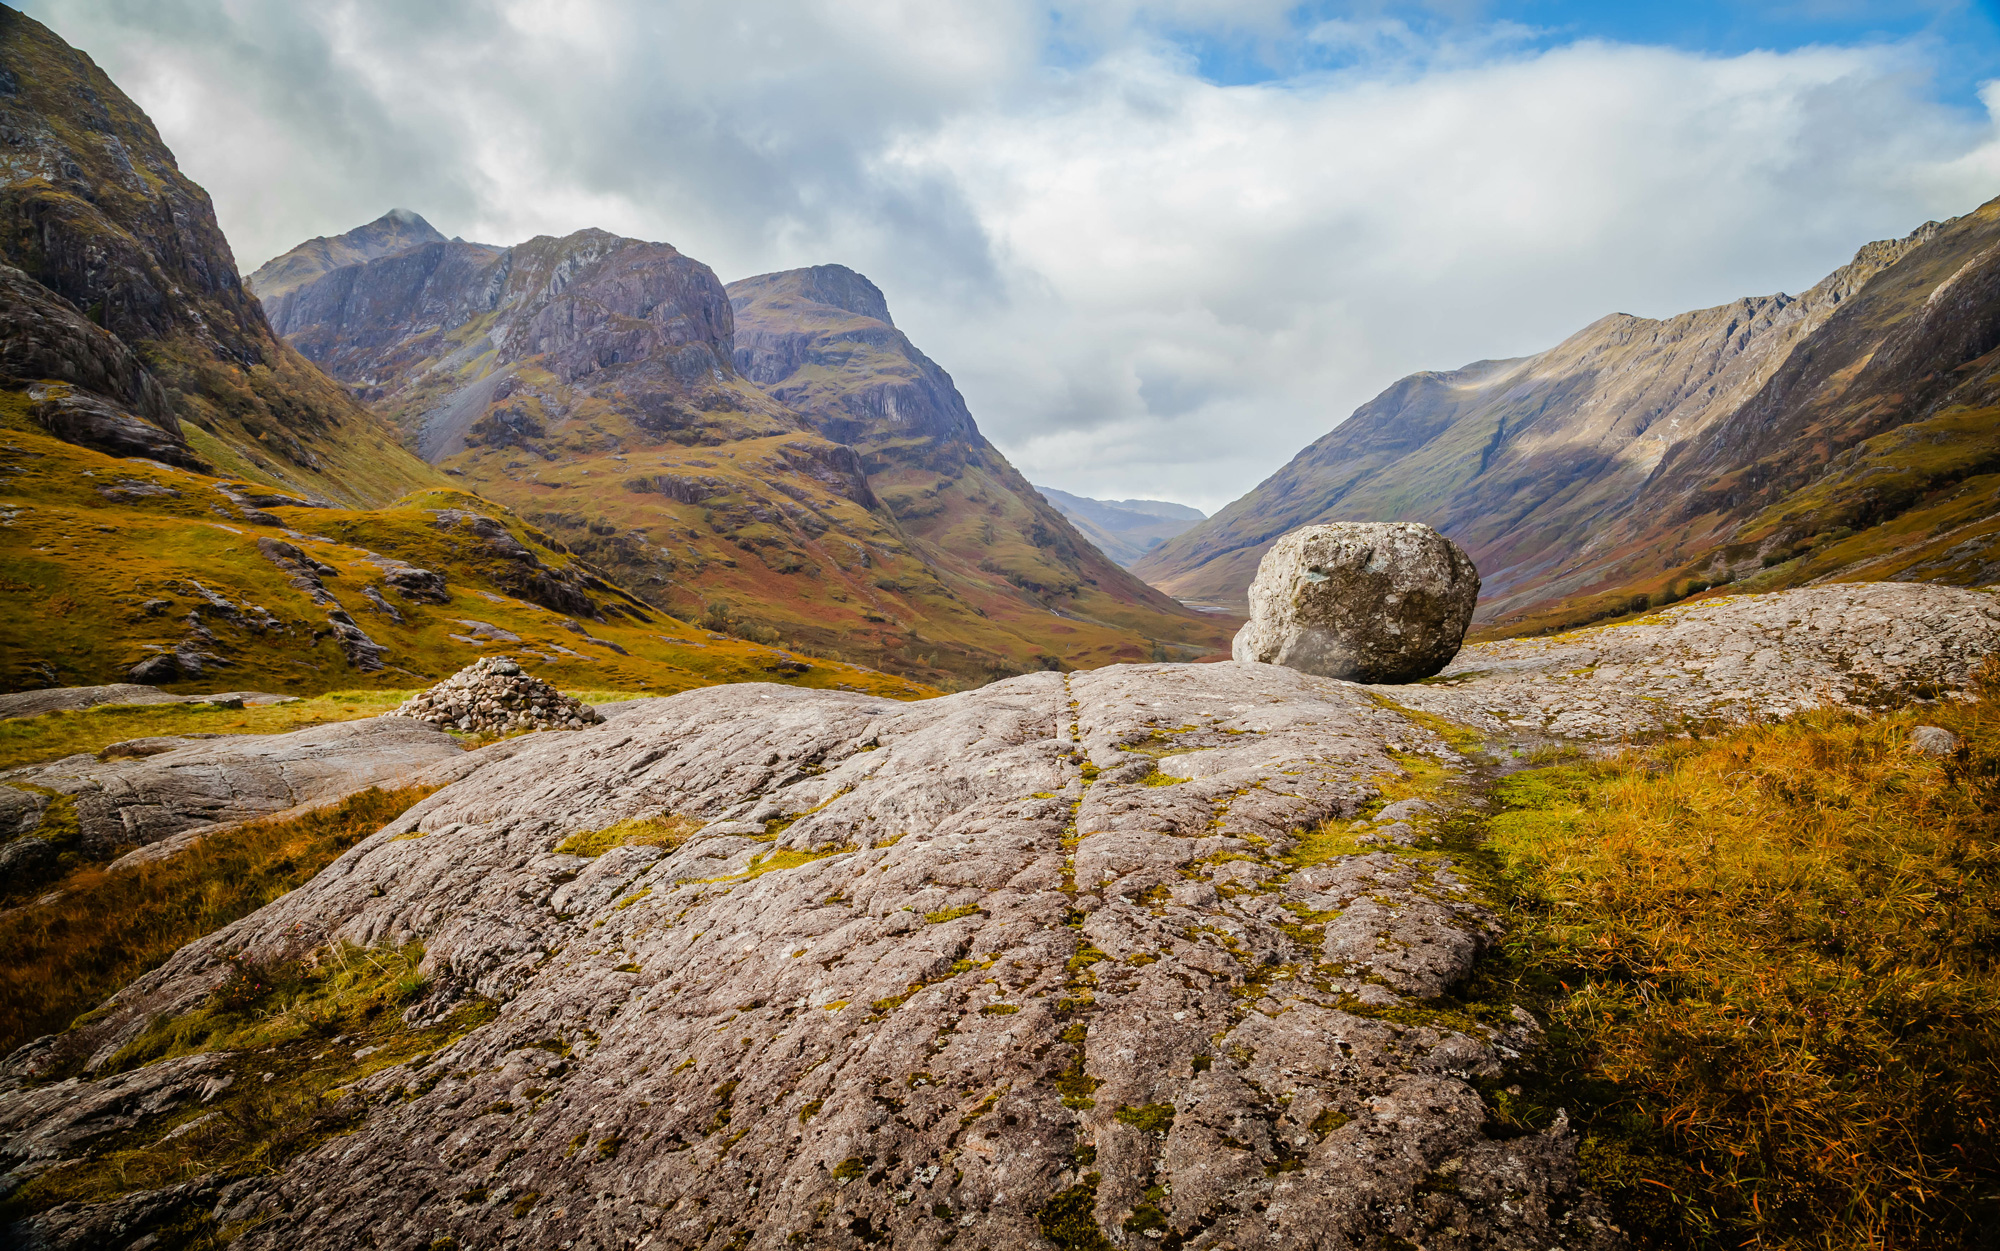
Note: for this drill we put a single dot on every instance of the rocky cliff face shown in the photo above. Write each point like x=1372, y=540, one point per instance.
x=93, y=208
x=605, y=387
x=1551, y=470
x=397, y=230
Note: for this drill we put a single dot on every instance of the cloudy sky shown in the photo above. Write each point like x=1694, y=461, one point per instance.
x=1161, y=244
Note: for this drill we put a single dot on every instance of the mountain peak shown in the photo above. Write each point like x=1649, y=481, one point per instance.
x=397, y=230
x=835, y=286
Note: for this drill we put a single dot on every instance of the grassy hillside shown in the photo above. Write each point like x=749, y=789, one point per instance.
x=108, y=563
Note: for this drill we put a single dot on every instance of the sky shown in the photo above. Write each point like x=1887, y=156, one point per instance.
x=1161, y=245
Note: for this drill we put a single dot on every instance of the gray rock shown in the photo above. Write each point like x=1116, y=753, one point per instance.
x=1931, y=740
x=969, y=960
x=124, y=800
x=77, y=698
x=1721, y=661
x=1363, y=601
x=23, y=861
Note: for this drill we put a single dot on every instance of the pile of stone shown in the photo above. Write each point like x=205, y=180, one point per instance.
x=492, y=696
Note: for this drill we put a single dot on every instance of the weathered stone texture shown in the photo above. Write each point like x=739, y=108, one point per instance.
x=1364, y=601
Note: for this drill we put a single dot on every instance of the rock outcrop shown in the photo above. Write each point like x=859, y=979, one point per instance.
x=987, y=991
x=492, y=696
x=1716, y=661
x=1120, y=955
x=143, y=791
x=1367, y=602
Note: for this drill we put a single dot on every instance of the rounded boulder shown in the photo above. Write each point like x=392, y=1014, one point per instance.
x=1362, y=601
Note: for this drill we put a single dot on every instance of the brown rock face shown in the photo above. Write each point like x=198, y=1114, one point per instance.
x=1367, y=602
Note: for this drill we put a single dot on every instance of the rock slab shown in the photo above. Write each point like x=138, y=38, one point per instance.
x=1363, y=601
x=921, y=977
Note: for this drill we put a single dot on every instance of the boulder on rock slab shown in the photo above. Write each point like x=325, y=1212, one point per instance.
x=1361, y=601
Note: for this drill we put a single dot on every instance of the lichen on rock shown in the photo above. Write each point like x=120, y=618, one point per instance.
x=1363, y=601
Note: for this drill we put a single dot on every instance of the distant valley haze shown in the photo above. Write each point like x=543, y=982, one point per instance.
x=1159, y=246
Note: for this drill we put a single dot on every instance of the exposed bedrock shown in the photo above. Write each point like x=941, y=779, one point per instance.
x=1365, y=601
x=1043, y=952
x=145, y=790
x=971, y=985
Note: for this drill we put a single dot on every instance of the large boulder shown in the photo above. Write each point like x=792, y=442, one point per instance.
x=1364, y=601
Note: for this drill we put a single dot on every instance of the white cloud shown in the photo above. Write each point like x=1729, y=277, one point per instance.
x=1146, y=283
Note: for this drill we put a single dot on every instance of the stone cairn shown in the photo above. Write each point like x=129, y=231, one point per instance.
x=492, y=696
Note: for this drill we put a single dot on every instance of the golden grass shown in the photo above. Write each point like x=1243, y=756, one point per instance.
x=667, y=831
x=106, y=928
x=53, y=735
x=1768, y=962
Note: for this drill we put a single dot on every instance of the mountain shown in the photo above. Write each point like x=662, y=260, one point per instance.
x=1124, y=530
x=821, y=340
x=126, y=324
x=398, y=230
x=1640, y=457
x=599, y=386
x=189, y=502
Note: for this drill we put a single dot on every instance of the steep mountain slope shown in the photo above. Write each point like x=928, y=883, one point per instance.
x=1124, y=530
x=398, y=230
x=591, y=382
x=821, y=340
x=94, y=210
x=1544, y=468
x=121, y=570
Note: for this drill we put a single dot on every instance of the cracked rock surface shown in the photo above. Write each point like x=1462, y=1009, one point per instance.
x=157, y=787
x=1131, y=949
x=926, y=971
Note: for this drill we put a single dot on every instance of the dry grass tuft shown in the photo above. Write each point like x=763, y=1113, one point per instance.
x=106, y=928
x=1768, y=962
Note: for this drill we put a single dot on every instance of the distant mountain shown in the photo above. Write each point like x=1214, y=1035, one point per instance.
x=822, y=341
x=397, y=230
x=134, y=333
x=766, y=453
x=1641, y=457
x=1124, y=530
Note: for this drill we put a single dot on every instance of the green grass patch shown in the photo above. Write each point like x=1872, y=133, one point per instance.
x=663, y=831
x=106, y=928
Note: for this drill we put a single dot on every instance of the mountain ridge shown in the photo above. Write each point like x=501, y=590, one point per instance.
x=664, y=426
x=1124, y=530
x=1539, y=465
